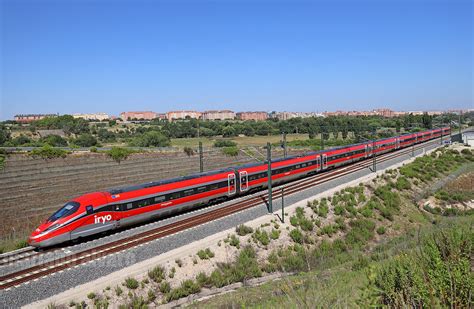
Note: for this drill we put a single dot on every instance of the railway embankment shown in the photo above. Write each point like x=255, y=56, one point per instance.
x=33, y=188
x=347, y=245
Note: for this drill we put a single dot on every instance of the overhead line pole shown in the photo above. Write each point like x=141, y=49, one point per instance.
x=201, y=165
x=269, y=176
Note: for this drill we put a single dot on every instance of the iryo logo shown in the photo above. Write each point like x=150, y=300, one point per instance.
x=102, y=219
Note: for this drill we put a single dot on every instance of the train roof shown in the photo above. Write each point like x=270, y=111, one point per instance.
x=166, y=181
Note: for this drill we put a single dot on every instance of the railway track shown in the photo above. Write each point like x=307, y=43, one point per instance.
x=28, y=274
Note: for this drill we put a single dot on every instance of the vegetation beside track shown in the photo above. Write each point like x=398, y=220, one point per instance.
x=348, y=249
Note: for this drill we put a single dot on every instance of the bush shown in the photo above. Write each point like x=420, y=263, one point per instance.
x=118, y=291
x=402, y=184
x=234, y=241
x=243, y=230
x=186, y=288
x=151, y=139
x=261, y=236
x=275, y=234
x=296, y=236
x=165, y=287
x=54, y=141
x=131, y=283
x=189, y=151
x=205, y=254
x=381, y=230
x=224, y=143
x=323, y=208
x=93, y=149
x=91, y=295
x=157, y=274
x=439, y=276
x=48, y=152
x=86, y=140
x=230, y=151
x=361, y=231
x=119, y=154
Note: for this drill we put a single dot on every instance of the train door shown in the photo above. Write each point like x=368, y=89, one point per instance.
x=325, y=161
x=231, y=188
x=318, y=163
x=243, y=181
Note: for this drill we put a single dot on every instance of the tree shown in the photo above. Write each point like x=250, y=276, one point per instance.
x=398, y=126
x=4, y=135
x=86, y=140
x=106, y=135
x=54, y=140
x=427, y=120
x=228, y=132
x=151, y=139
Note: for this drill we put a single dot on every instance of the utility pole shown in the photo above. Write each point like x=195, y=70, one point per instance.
x=283, y=204
x=374, y=162
x=201, y=165
x=269, y=175
x=285, y=152
x=460, y=115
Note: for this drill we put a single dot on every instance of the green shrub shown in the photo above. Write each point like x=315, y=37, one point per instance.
x=230, y=151
x=275, y=234
x=118, y=290
x=323, y=208
x=426, y=278
x=224, y=143
x=243, y=230
x=119, y=154
x=205, y=254
x=165, y=287
x=157, y=274
x=296, y=236
x=402, y=183
x=131, y=283
x=361, y=231
x=48, y=152
x=93, y=149
x=91, y=295
x=234, y=241
x=202, y=279
x=361, y=263
x=21, y=244
x=261, y=236
x=381, y=230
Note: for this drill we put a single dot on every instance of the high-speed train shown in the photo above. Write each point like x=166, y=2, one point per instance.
x=99, y=212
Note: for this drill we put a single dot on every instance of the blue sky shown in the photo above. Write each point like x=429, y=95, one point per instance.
x=114, y=56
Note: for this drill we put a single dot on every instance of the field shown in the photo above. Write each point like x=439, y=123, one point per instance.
x=242, y=141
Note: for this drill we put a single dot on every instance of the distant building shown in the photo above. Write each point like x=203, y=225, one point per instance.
x=93, y=116
x=384, y=112
x=27, y=118
x=217, y=115
x=147, y=115
x=468, y=138
x=175, y=115
x=257, y=116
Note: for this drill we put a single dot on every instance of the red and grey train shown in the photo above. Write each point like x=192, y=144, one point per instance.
x=99, y=212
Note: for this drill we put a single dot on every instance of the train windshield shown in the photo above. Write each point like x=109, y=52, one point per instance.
x=64, y=211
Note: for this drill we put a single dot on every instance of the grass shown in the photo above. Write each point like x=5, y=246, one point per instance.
x=157, y=274
x=346, y=279
x=205, y=254
x=241, y=141
x=131, y=283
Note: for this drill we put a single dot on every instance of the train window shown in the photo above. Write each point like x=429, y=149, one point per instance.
x=117, y=207
x=129, y=206
x=174, y=195
x=160, y=199
x=189, y=192
x=201, y=189
x=66, y=210
x=214, y=186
